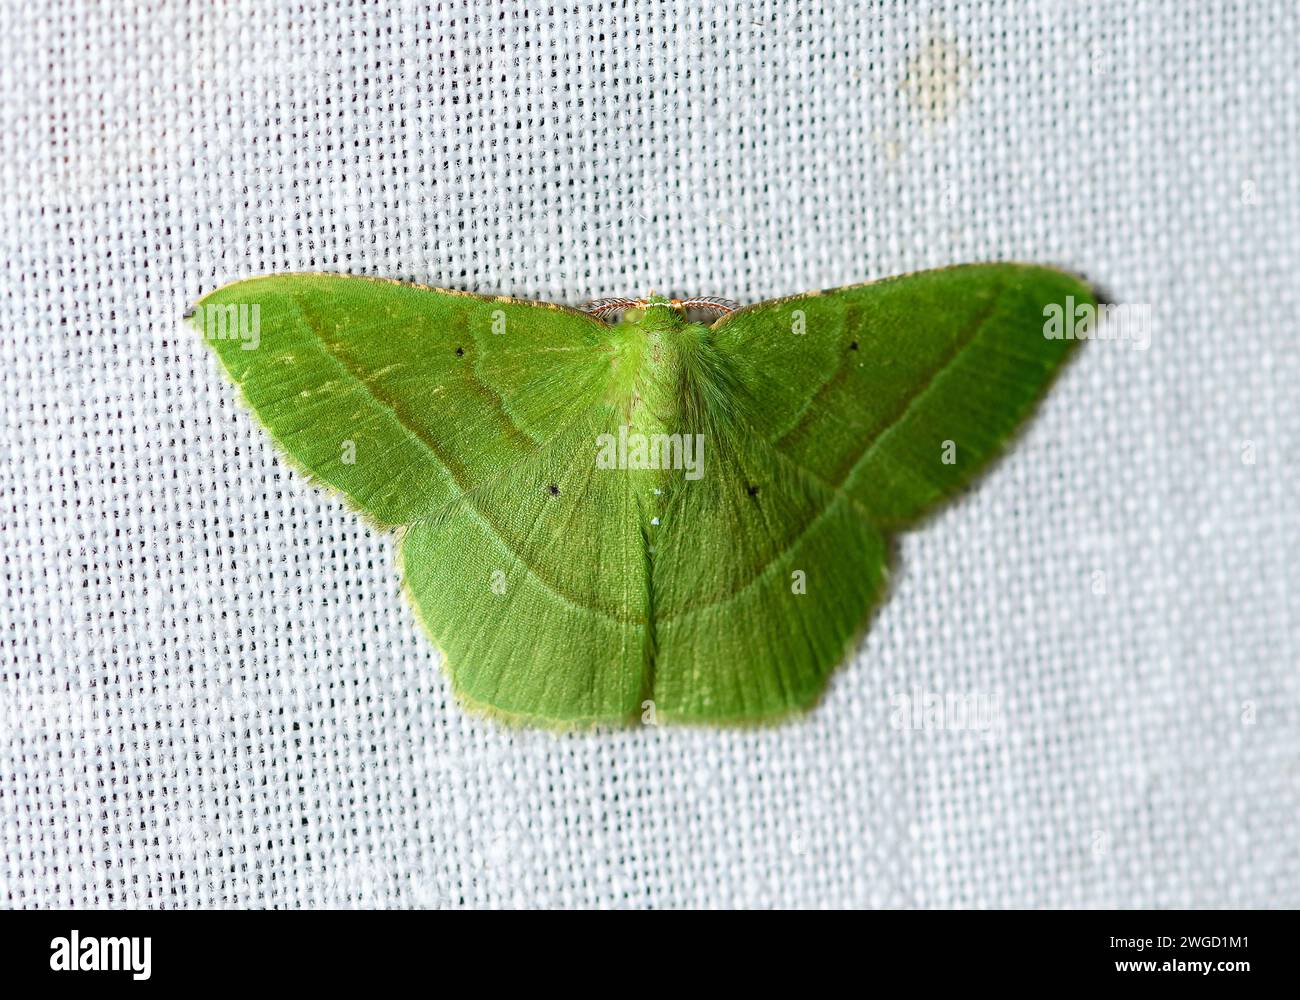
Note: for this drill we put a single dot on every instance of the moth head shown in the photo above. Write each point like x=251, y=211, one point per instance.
x=655, y=312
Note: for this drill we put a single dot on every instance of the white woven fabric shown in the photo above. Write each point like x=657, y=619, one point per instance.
x=212, y=691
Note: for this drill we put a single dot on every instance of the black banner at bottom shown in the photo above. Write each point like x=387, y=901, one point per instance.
x=144, y=949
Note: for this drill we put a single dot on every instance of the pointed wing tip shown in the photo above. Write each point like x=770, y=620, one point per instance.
x=1076, y=278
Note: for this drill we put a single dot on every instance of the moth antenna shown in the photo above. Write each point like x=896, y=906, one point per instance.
x=600, y=308
x=709, y=303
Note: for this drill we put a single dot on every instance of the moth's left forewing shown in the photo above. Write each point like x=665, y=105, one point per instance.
x=899, y=391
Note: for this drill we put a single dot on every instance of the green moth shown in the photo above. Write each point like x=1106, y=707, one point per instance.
x=651, y=518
